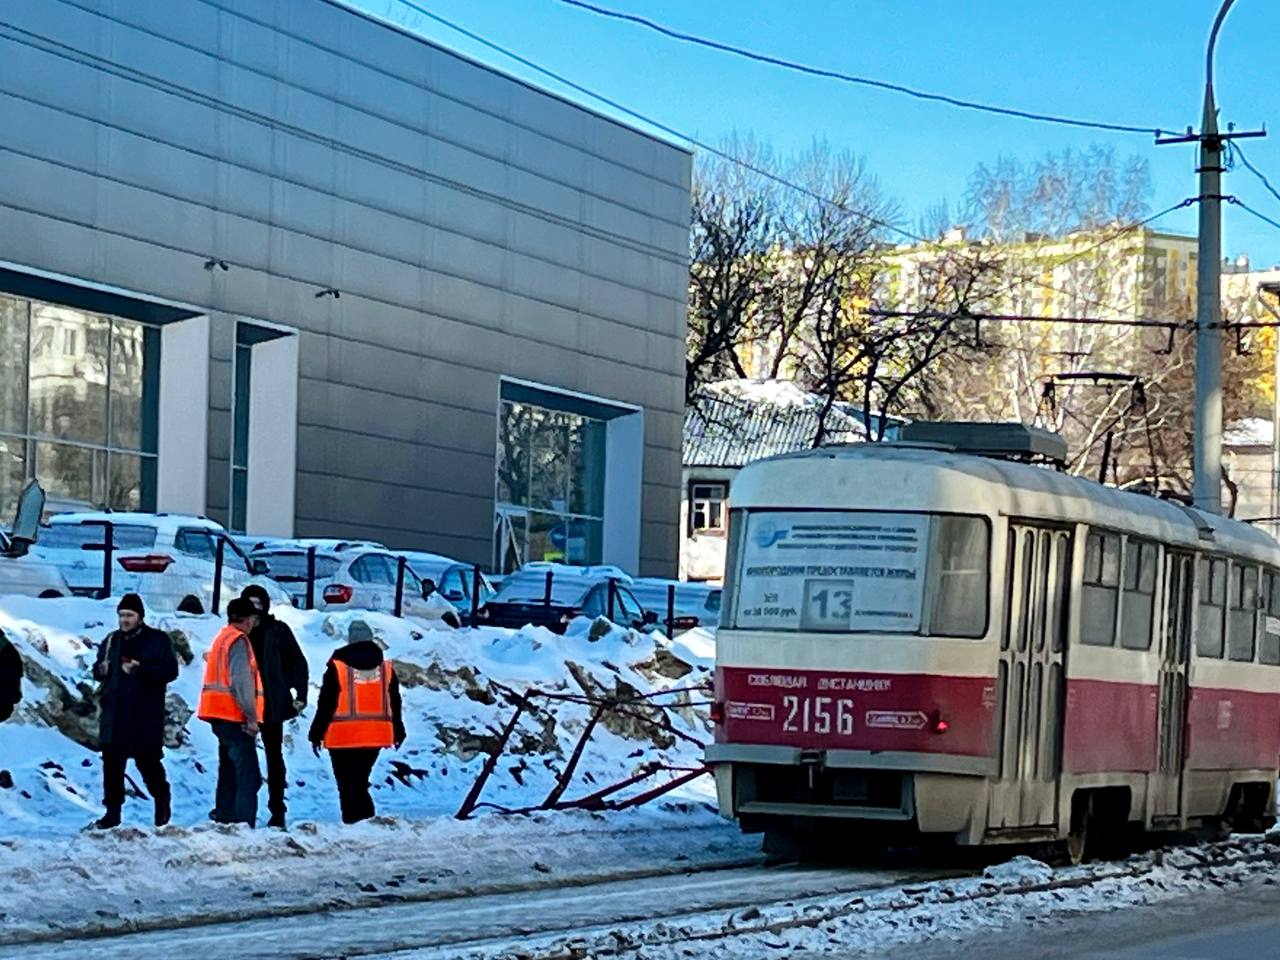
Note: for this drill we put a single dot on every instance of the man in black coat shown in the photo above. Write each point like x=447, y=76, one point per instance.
x=134, y=665
x=352, y=765
x=283, y=670
x=10, y=677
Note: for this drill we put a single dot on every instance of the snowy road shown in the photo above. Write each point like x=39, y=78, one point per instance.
x=447, y=927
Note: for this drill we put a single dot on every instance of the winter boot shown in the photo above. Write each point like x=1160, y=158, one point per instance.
x=164, y=809
x=277, y=821
x=108, y=820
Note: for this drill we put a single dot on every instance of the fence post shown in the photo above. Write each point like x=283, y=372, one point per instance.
x=216, y=601
x=613, y=595
x=400, y=567
x=311, y=578
x=546, y=599
x=475, y=596
x=108, y=555
x=671, y=608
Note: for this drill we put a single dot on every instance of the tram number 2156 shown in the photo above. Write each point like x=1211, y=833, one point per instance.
x=817, y=715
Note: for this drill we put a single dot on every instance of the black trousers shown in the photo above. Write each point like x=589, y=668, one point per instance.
x=272, y=732
x=149, y=763
x=351, y=768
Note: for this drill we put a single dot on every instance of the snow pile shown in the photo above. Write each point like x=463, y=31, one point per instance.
x=454, y=706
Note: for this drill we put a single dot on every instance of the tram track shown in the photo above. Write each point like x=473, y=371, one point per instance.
x=693, y=933
x=449, y=927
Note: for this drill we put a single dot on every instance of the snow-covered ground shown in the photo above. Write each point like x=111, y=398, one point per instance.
x=453, y=708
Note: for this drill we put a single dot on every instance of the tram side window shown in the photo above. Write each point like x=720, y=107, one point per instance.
x=1101, y=587
x=1212, y=609
x=958, y=574
x=1269, y=649
x=1242, y=621
x=1138, y=608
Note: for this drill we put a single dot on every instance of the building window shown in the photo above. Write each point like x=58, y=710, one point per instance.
x=708, y=507
x=78, y=405
x=550, y=485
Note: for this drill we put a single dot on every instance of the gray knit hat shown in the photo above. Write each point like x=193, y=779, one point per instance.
x=358, y=631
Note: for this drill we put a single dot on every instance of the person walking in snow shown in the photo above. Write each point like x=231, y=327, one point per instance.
x=357, y=715
x=232, y=703
x=134, y=666
x=283, y=670
x=438, y=608
x=10, y=677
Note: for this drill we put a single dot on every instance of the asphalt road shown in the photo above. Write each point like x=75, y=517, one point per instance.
x=1242, y=923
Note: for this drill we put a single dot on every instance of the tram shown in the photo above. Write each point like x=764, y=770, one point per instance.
x=943, y=638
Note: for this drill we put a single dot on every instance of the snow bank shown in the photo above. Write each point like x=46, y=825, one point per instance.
x=50, y=775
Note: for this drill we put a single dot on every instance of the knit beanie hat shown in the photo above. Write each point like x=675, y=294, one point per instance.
x=131, y=602
x=358, y=631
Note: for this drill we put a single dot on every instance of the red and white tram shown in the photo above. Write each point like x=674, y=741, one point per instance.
x=933, y=640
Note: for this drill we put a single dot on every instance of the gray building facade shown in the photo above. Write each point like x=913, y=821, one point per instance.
x=293, y=268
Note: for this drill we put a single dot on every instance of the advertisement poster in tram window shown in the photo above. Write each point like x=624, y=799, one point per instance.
x=833, y=571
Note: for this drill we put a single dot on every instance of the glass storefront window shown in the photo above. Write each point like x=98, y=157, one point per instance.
x=550, y=486
x=78, y=405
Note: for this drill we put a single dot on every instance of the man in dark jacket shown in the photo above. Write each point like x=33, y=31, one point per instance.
x=10, y=677
x=134, y=665
x=283, y=670
x=357, y=714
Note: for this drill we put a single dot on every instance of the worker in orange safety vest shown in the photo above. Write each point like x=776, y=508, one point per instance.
x=357, y=716
x=232, y=703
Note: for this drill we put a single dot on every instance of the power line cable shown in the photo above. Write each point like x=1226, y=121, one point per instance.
x=658, y=124
x=1236, y=201
x=739, y=161
x=859, y=81
x=1237, y=151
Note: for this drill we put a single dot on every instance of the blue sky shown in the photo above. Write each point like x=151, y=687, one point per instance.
x=1124, y=61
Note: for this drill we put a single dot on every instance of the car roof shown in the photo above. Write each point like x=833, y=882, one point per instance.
x=161, y=521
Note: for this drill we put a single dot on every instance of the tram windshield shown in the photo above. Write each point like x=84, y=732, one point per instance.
x=829, y=571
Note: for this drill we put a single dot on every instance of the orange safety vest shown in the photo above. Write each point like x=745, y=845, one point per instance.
x=217, y=700
x=363, y=717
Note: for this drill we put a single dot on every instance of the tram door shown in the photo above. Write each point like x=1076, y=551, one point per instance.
x=1175, y=652
x=1030, y=683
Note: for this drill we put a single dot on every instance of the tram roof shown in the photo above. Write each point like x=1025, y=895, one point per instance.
x=1009, y=487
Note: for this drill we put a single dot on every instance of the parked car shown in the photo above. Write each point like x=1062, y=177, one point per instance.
x=169, y=559
x=528, y=598
x=455, y=580
x=287, y=566
x=354, y=579
x=697, y=604
x=20, y=573
x=327, y=543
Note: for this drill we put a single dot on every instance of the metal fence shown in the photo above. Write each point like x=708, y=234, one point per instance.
x=309, y=580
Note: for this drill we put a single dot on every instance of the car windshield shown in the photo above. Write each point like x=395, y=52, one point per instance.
x=291, y=566
x=530, y=586
x=75, y=536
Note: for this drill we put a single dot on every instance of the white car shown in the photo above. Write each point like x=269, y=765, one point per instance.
x=355, y=578
x=696, y=604
x=169, y=559
x=20, y=573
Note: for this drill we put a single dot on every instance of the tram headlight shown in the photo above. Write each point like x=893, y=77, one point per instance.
x=937, y=723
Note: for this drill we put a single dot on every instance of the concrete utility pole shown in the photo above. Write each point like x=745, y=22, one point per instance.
x=1207, y=438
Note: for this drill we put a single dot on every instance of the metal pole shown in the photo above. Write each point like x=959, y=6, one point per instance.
x=400, y=565
x=475, y=596
x=311, y=578
x=216, y=600
x=671, y=608
x=1207, y=491
x=108, y=554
